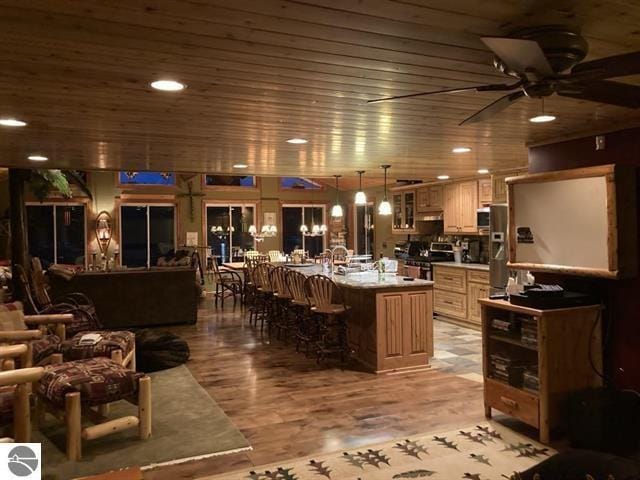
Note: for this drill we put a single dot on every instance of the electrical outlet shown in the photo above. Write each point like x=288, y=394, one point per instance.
x=601, y=143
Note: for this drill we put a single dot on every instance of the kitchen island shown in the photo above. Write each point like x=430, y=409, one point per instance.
x=390, y=324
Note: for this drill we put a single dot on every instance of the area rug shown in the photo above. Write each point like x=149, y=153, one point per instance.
x=187, y=425
x=480, y=452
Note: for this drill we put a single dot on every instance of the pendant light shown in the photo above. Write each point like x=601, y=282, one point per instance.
x=361, y=197
x=336, y=210
x=385, y=207
x=542, y=118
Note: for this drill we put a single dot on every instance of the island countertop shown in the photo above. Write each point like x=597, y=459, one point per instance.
x=366, y=280
x=469, y=266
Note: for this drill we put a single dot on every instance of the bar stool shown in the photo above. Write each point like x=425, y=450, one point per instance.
x=327, y=303
x=228, y=283
x=264, y=293
x=250, y=288
x=304, y=325
x=282, y=301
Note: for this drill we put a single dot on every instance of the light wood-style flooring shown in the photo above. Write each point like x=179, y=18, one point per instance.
x=287, y=406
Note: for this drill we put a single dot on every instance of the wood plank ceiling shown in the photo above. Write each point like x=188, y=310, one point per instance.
x=259, y=72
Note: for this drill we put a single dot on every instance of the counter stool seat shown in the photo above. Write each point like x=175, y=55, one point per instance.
x=117, y=345
x=331, y=309
x=73, y=389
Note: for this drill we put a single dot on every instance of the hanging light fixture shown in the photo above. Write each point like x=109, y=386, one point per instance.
x=336, y=210
x=361, y=197
x=385, y=207
x=542, y=118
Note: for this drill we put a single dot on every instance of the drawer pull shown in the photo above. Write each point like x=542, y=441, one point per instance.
x=508, y=402
x=448, y=302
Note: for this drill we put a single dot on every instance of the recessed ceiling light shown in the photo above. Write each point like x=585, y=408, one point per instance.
x=12, y=122
x=542, y=119
x=297, y=141
x=443, y=177
x=37, y=158
x=461, y=150
x=167, y=85
x=483, y=171
x=240, y=165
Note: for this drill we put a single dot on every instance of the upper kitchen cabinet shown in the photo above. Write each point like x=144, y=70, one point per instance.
x=499, y=186
x=485, y=191
x=429, y=199
x=404, y=205
x=460, y=208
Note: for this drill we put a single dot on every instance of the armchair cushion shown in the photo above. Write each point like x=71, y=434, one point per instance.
x=12, y=317
x=99, y=381
x=111, y=341
x=44, y=347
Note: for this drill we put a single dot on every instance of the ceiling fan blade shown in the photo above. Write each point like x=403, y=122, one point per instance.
x=609, y=67
x=477, y=88
x=613, y=93
x=493, y=108
x=520, y=55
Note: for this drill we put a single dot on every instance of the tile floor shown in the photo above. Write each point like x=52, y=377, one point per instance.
x=458, y=350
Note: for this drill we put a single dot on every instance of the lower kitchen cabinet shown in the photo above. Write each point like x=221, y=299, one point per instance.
x=457, y=291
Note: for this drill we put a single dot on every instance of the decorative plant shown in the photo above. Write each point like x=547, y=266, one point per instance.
x=43, y=182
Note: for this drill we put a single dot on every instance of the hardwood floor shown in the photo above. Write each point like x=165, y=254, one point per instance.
x=287, y=406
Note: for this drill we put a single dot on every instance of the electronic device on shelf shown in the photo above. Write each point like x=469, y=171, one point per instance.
x=544, y=297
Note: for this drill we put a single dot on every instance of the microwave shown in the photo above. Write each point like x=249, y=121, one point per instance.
x=483, y=218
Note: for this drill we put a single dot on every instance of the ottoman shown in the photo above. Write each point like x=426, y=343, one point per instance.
x=120, y=346
x=74, y=389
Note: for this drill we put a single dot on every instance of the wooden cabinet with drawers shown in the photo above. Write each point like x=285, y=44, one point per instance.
x=429, y=199
x=543, y=371
x=457, y=291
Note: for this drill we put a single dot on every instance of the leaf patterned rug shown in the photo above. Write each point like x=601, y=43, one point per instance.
x=487, y=451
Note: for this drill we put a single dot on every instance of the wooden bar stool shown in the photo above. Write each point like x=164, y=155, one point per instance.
x=327, y=302
x=264, y=293
x=305, y=327
x=282, y=320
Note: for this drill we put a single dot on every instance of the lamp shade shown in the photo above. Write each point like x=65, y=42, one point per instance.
x=252, y=229
x=361, y=198
x=336, y=211
x=384, y=208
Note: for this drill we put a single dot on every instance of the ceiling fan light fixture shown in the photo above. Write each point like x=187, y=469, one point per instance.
x=542, y=118
x=461, y=150
x=297, y=141
x=168, y=85
x=12, y=122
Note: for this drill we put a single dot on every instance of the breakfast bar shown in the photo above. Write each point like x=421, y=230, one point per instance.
x=390, y=323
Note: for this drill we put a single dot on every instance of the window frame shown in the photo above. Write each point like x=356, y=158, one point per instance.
x=61, y=203
x=142, y=203
x=303, y=206
x=322, y=186
x=134, y=186
x=229, y=204
x=230, y=188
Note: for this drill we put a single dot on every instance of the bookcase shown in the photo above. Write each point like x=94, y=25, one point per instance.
x=533, y=359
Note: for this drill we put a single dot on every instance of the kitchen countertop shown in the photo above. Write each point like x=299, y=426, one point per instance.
x=469, y=266
x=368, y=280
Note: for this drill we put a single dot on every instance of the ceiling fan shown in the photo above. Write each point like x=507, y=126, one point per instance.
x=544, y=61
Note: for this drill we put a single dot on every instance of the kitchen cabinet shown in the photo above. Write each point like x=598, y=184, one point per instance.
x=499, y=188
x=429, y=199
x=460, y=207
x=457, y=291
x=403, y=205
x=485, y=191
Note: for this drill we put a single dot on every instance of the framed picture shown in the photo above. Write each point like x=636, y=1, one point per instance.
x=269, y=218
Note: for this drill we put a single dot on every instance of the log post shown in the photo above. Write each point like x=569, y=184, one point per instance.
x=18, y=220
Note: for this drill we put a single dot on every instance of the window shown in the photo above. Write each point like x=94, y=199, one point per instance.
x=147, y=232
x=292, y=238
x=228, y=230
x=363, y=223
x=246, y=181
x=298, y=183
x=147, y=178
x=57, y=233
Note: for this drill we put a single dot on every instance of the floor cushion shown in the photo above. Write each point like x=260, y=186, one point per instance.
x=99, y=381
x=156, y=350
x=111, y=341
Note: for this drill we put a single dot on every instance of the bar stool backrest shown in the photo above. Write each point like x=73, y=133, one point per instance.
x=261, y=276
x=340, y=253
x=295, y=285
x=275, y=255
x=322, y=291
x=278, y=277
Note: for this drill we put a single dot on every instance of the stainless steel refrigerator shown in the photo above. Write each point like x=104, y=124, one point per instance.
x=498, y=271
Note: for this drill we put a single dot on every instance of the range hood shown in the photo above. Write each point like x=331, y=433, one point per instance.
x=432, y=217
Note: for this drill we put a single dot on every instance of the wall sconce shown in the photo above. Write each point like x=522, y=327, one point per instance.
x=103, y=231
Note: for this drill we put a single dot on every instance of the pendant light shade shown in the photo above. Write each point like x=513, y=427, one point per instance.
x=336, y=210
x=361, y=197
x=385, y=207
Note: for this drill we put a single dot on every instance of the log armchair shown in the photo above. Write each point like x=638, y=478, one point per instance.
x=15, y=391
